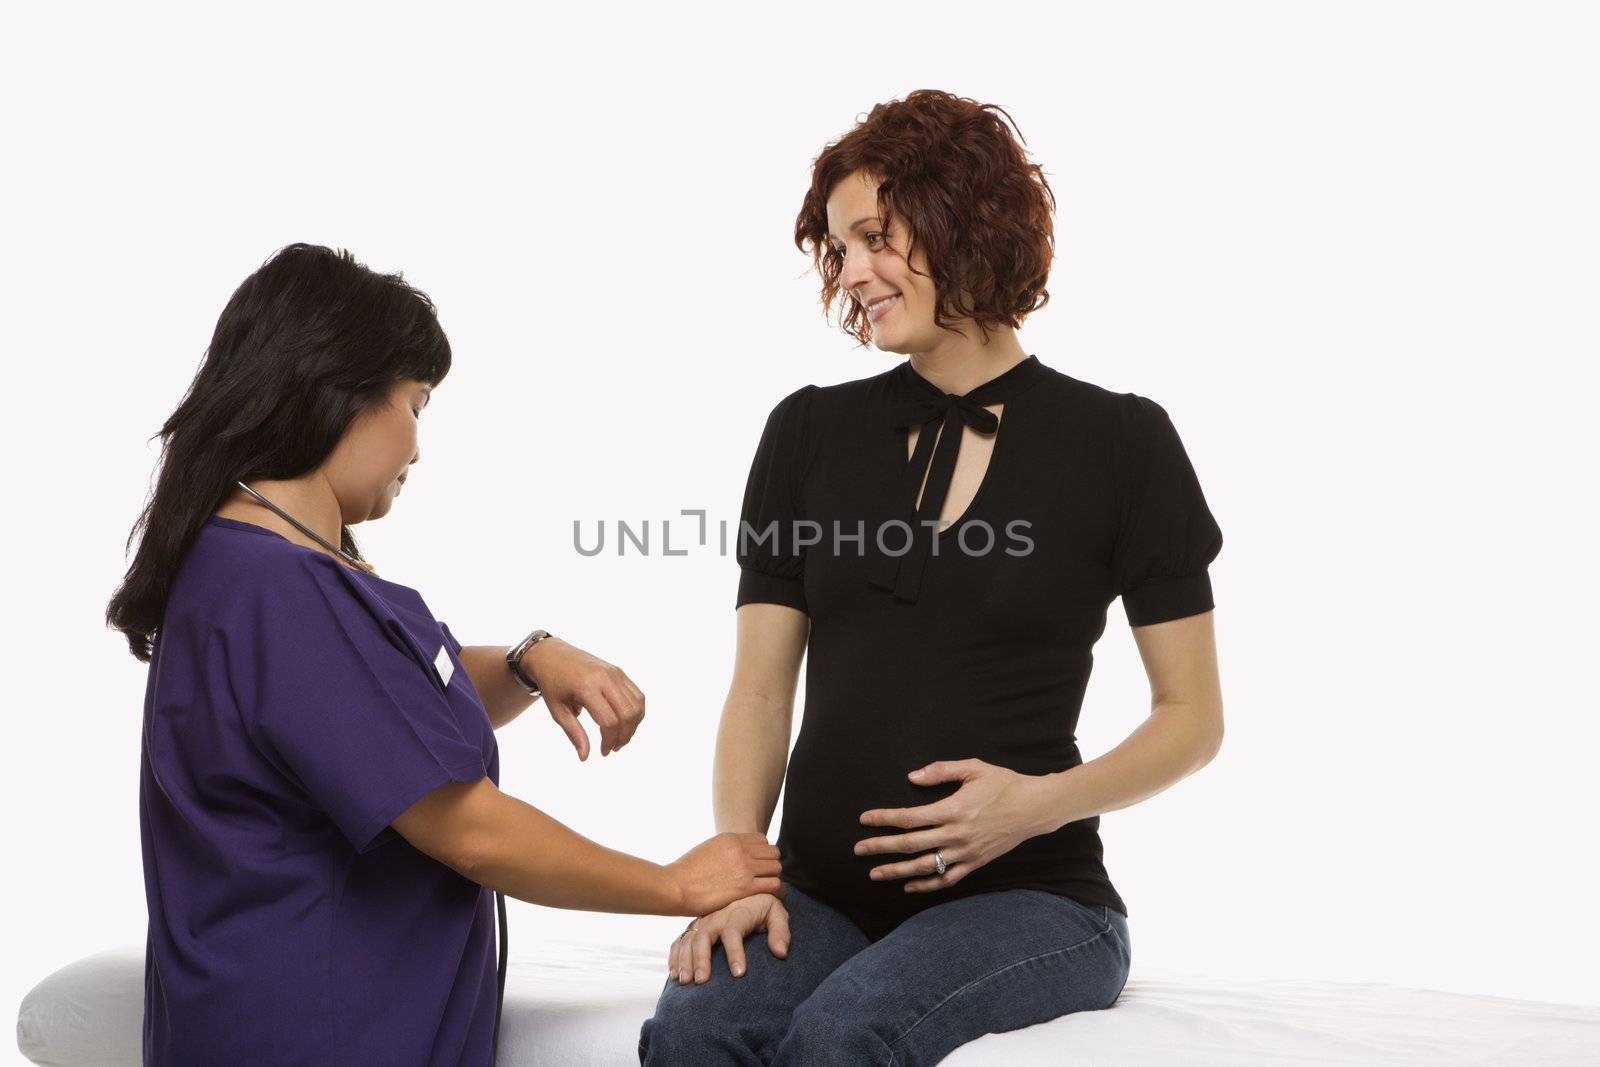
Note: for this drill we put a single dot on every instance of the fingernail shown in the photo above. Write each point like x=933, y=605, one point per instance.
x=737, y=971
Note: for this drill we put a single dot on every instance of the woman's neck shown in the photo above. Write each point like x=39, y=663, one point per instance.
x=960, y=365
x=310, y=500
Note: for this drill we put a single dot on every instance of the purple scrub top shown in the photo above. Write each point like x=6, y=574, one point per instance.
x=295, y=707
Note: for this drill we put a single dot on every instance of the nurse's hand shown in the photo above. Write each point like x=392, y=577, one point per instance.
x=690, y=954
x=574, y=681
x=717, y=872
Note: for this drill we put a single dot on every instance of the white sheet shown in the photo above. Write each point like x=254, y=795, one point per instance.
x=580, y=1004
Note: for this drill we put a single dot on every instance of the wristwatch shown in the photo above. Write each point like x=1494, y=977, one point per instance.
x=514, y=661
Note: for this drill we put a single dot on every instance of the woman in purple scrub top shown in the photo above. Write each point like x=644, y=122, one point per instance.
x=322, y=831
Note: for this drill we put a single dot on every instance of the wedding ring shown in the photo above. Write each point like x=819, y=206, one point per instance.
x=938, y=864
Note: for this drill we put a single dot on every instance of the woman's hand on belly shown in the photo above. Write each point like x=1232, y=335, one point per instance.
x=994, y=810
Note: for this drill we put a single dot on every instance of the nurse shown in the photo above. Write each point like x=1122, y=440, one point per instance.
x=322, y=831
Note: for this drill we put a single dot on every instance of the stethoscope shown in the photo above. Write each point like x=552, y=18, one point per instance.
x=499, y=897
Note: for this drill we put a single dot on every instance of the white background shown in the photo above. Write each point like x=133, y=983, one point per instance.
x=1351, y=248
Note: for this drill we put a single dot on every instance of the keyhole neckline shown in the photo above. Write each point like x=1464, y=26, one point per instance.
x=977, y=493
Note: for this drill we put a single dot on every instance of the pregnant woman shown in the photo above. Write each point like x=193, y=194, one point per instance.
x=941, y=543
x=322, y=828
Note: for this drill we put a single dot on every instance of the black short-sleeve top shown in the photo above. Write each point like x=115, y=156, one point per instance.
x=970, y=641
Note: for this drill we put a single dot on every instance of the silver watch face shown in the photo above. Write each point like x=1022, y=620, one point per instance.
x=529, y=641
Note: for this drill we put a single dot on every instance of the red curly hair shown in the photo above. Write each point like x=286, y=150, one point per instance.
x=980, y=209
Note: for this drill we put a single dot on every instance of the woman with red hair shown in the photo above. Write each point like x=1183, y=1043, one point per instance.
x=940, y=543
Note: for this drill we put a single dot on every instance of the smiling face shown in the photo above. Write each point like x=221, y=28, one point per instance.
x=876, y=272
x=370, y=461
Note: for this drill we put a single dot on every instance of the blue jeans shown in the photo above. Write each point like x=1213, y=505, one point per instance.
x=951, y=973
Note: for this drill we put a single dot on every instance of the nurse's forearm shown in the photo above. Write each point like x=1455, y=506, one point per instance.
x=533, y=857
x=502, y=695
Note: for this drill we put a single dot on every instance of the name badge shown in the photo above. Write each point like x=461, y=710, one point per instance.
x=443, y=664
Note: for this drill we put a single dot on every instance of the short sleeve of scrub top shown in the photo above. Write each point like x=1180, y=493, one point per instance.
x=295, y=707
x=344, y=700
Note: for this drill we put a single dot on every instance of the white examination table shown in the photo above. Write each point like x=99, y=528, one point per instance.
x=579, y=1003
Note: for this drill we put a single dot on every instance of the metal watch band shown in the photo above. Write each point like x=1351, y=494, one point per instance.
x=514, y=661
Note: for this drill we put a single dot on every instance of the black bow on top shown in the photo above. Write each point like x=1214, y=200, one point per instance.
x=928, y=408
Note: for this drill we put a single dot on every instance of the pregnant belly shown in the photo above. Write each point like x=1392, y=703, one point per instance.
x=825, y=792
x=855, y=753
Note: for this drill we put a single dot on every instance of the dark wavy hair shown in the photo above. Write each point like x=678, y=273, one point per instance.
x=980, y=209
x=305, y=345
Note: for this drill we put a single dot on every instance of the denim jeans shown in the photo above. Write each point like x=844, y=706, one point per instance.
x=951, y=973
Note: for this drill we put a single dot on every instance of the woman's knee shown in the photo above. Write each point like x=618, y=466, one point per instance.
x=689, y=1026
x=840, y=1023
